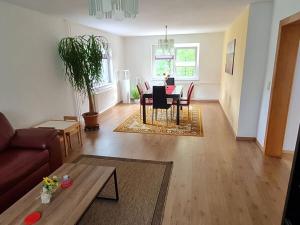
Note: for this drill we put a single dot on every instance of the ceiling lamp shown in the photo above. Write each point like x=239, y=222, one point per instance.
x=113, y=9
x=167, y=45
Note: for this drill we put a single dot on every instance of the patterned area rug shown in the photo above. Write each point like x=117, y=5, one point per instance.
x=189, y=125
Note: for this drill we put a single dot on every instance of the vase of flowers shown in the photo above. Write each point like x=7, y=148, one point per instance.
x=49, y=187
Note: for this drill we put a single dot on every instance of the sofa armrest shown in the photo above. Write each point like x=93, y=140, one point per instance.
x=40, y=139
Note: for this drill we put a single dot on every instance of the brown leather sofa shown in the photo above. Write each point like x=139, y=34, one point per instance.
x=26, y=156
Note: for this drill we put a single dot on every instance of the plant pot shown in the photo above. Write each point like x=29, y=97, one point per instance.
x=91, y=119
x=136, y=101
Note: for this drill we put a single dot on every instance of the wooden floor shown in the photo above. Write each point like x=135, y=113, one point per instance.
x=216, y=180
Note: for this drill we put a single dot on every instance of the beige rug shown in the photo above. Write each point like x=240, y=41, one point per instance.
x=189, y=126
x=143, y=187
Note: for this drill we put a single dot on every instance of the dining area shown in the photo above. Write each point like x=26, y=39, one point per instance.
x=165, y=108
x=168, y=97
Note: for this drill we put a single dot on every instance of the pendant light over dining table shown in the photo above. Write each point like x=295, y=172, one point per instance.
x=113, y=9
x=166, y=45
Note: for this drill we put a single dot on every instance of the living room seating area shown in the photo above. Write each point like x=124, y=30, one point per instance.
x=26, y=156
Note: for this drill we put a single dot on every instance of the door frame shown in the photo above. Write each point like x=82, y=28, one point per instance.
x=282, y=83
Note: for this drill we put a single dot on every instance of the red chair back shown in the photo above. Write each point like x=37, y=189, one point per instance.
x=190, y=94
x=147, y=85
x=140, y=89
x=191, y=84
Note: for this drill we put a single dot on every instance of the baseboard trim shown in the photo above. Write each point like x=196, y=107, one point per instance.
x=245, y=138
x=231, y=128
x=206, y=100
x=109, y=107
x=288, y=151
x=259, y=145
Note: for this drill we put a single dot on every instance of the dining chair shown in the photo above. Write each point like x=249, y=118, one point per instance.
x=170, y=81
x=186, y=102
x=160, y=101
x=189, y=89
x=147, y=85
x=183, y=98
x=148, y=101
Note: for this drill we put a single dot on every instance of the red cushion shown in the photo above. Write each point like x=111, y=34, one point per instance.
x=16, y=164
x=6, y=132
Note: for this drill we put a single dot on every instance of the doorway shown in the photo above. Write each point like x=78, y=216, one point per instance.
x=284, y=71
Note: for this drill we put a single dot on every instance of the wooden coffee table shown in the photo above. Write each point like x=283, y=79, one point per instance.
x=67, y=205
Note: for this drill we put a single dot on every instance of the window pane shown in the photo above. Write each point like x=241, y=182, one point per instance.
x=105, y=71
x=186, y=61
x=186, y=54
x=186, y=71
x=163, y=66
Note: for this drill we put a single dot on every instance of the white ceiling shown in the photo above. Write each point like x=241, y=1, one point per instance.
x=181, y=16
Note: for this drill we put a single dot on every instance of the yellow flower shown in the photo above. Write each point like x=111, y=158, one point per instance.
x=48, y=181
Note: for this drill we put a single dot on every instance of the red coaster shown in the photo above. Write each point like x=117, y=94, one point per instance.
x=32, y=218
x=66, y=184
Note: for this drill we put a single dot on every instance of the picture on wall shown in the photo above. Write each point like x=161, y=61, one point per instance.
x=230, y=57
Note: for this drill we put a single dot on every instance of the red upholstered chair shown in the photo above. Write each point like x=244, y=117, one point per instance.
x=26, y=156
x=147, y=85
x=189, y=90
x=187, y=101
x=148, y=102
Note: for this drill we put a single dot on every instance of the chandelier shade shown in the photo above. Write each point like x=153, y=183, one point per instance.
x=167, y=45
x=113, y=9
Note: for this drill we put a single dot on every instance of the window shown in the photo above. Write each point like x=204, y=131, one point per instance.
x=106, y=70
x=183, y=64
x=163, y=63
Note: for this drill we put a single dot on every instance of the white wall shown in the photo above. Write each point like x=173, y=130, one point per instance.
x=294, y=111
x=231, y=85
x=282, y=9
x=138, y=60
x=256, y=56
x=32, y=87
x=32, y=83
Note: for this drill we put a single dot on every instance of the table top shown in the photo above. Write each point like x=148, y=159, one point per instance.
x=57, y=124
x=67, y=205
x=171, y=91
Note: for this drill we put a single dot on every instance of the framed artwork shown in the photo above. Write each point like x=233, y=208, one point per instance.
x=229, y=67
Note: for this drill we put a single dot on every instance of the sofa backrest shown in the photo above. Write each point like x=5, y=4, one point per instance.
x=6, y=132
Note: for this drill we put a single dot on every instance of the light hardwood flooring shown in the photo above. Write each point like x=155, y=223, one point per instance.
x=215, y=181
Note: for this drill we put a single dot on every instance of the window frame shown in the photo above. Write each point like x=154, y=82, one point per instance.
x=101, y=86
x=196, y=76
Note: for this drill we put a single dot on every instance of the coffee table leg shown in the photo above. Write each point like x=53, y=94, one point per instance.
x=116, y=188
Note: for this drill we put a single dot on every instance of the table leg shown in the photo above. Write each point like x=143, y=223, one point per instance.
x=116, y=188
x=144, y=110
x=178, y=111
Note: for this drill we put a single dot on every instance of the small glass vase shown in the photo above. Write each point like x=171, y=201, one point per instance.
x=45, y=196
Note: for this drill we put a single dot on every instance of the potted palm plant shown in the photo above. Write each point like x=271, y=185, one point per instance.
x=82, y=57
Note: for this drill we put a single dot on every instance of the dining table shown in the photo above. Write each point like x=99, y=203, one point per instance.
x=172, y=91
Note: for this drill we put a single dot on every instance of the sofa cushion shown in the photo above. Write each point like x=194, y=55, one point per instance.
x=17, y=164
x=6, y=132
